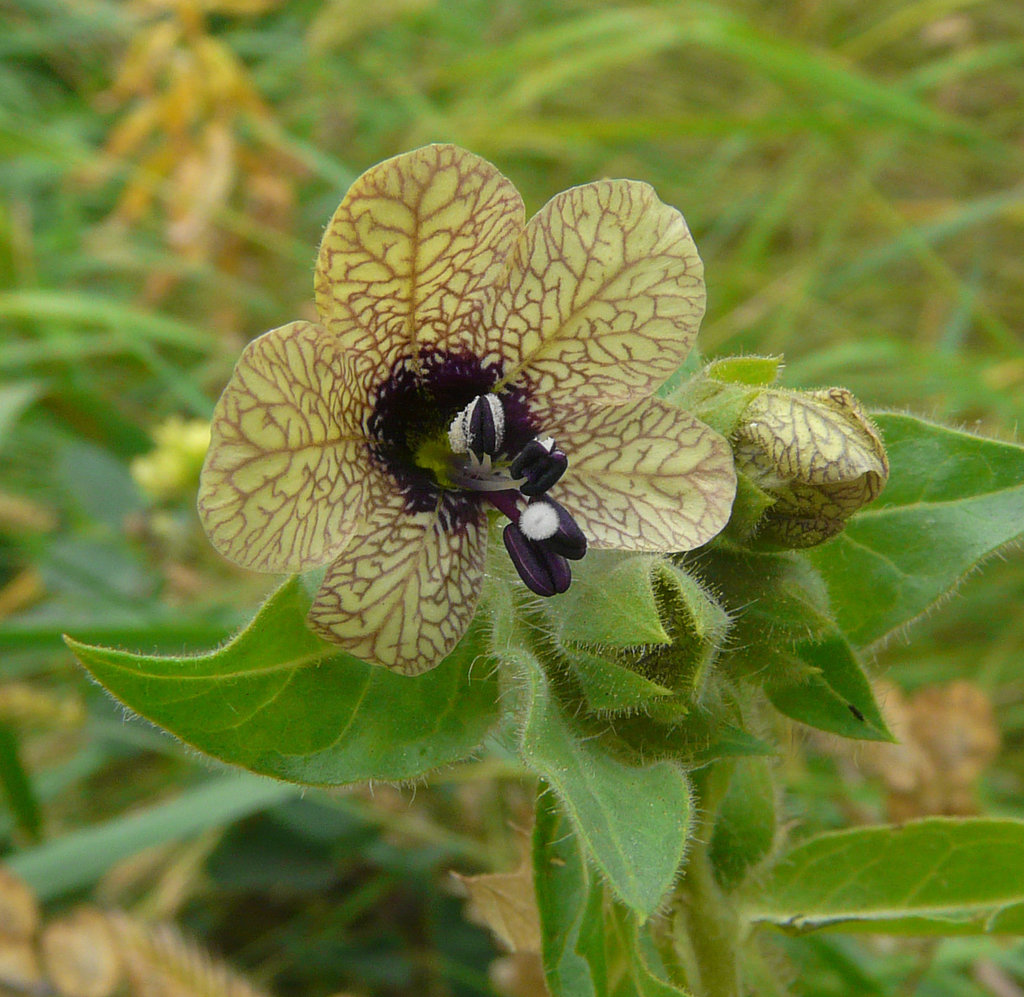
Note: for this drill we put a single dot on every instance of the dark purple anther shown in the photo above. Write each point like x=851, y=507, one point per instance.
x=544, y=571
x=485, y=427
x=568, y=539
x=541, y=463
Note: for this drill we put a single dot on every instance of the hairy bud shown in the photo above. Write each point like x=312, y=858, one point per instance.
x=811, y=459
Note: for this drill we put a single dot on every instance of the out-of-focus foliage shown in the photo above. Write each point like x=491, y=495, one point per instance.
x=851, y=173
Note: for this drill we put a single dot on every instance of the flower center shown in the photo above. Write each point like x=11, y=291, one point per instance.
x=449, y=443
x=541, y=537
x=408, y=426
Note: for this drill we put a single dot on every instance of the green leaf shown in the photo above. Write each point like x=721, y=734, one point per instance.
x=611, y=602
x=632, y=820
x=952, y=500
x=77, y=859
x=279, y=701
x=591, y=945
x=933, y=869
x=745, y=824
x=832, y=693
x=17, y=786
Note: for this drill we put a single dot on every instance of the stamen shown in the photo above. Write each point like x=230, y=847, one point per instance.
x=481, y=476
x=543, y=571
x=479, y=428
x=567, y=538
x=540, y=463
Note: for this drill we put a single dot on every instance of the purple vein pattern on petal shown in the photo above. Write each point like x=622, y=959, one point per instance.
x=411, y=251
x=600, y=300
x=646, y=476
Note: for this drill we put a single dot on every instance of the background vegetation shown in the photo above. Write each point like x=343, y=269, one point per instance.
x=852, y=175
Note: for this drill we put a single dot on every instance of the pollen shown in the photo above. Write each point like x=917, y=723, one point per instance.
x=539, y=521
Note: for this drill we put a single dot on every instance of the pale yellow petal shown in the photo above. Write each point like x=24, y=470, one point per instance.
x=404, y=591
x=601, y=298
x=413, y=246
x=285, y=476
x=645, y=476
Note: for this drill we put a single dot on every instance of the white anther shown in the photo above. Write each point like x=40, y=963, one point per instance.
x=538, y=521
x=457, y=433
x=548, y=443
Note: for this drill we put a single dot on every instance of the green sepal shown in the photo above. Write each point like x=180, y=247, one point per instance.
x=611, y=602
x=697, y=626
x=730, y=741
x=693, y=736
x=745, y=370
x=773, y=599
x=279, y=701
x=748, y=510
x=610, y=687
x=664, y=675
x=718, y=405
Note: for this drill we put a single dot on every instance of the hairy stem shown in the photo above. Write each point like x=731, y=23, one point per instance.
x=705, y=913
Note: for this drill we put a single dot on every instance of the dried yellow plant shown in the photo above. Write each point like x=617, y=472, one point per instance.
x=192, y=132
x=91, y=952
x=161, y=962
x=946, y=737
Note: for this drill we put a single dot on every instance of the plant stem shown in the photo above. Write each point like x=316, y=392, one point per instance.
x=706, y=914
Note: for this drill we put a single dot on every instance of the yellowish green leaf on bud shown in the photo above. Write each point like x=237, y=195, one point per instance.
x=697, y=626
x=611, y=687
x=761, y=371
x=749, y=508
x=716, y=404
x=817, y=454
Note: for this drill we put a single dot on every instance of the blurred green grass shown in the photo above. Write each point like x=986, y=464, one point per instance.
x=851, y=172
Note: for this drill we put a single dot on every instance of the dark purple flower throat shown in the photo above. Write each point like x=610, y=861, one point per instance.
x=450, y=445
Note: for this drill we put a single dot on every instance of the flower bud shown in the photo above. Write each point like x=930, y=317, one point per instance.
x=813, y=457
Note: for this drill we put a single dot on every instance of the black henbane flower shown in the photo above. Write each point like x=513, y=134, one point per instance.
x=466, y=361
